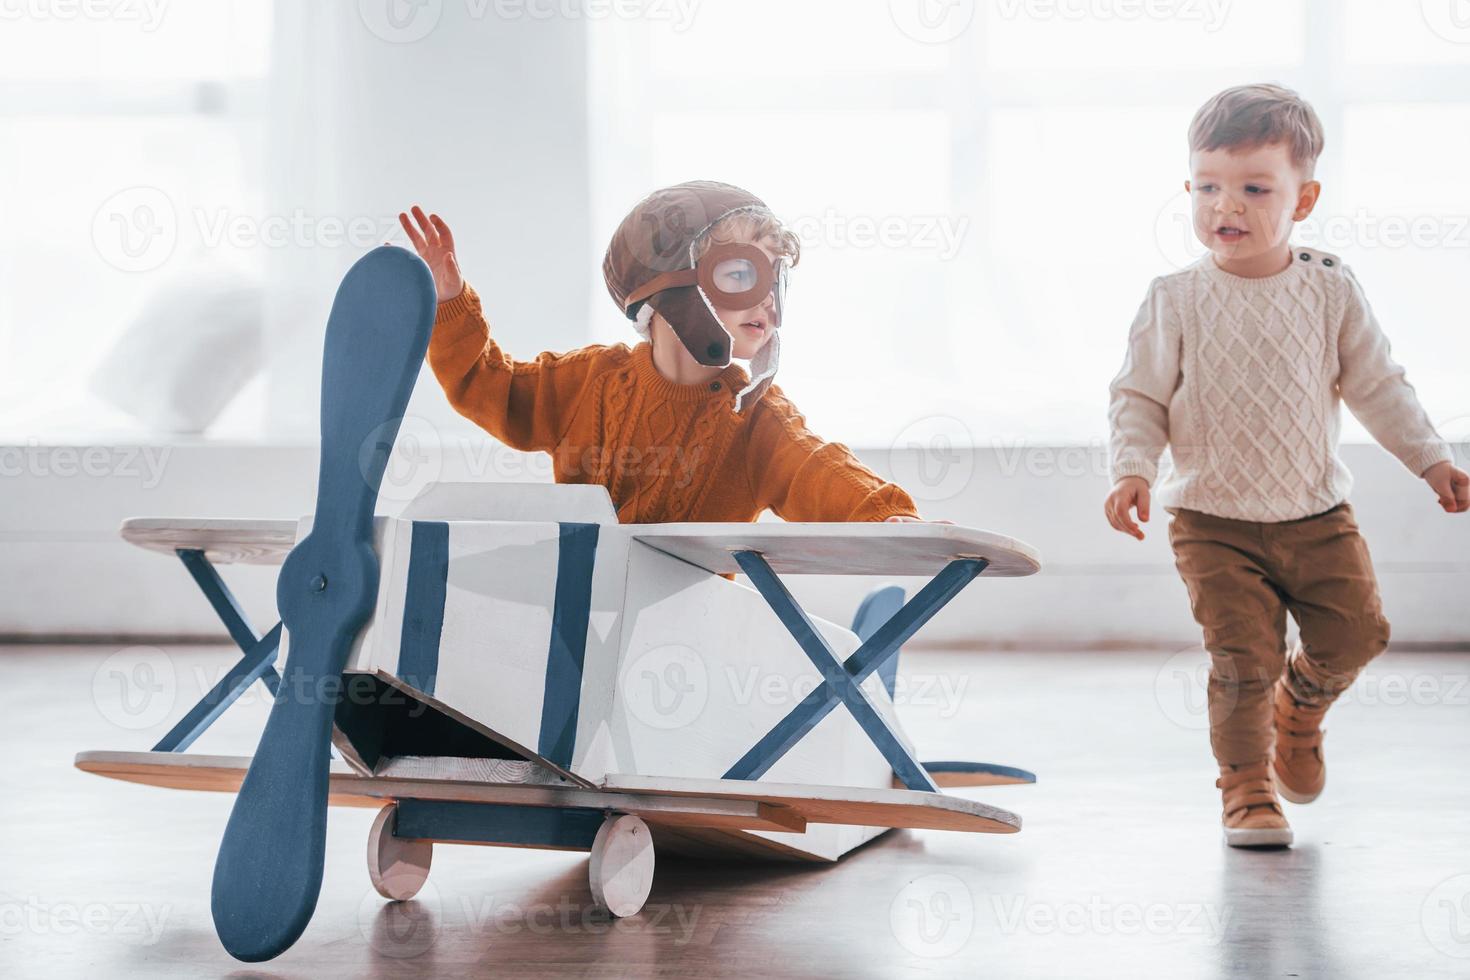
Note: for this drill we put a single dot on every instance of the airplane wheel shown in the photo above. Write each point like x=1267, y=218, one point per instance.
x=397, y=867
x=621, y=870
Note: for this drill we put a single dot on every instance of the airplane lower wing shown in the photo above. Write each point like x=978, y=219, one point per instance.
x=706, y=804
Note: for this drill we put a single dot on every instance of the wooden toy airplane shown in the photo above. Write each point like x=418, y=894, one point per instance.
x=508, y=665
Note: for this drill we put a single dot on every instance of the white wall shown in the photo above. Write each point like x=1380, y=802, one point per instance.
x=63, y=571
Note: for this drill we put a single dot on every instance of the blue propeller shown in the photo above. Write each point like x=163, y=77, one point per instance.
x=269, y=870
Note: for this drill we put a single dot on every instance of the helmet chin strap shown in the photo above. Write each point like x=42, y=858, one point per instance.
x=762, y=367
x=644, y=321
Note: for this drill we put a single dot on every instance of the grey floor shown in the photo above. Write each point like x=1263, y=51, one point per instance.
x=1119, y=870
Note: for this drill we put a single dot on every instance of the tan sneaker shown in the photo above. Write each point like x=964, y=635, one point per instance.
x=1297, y=764
x=1252, y=814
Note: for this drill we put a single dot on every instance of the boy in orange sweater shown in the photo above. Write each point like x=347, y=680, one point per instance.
x=671, y=427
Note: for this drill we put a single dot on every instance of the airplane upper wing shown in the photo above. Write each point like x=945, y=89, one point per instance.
x=909, y=548
x=252, y=542
x=810, y=548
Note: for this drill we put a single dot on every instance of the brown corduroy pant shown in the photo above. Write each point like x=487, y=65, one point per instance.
x=1243, y=578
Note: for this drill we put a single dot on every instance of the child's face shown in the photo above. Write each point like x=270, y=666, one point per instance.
x=750, y=329
x=1245, y=200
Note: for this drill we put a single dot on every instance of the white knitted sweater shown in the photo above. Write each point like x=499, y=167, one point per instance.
x=1240, y=379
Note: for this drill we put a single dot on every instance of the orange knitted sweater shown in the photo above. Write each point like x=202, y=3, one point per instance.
x=665, y=451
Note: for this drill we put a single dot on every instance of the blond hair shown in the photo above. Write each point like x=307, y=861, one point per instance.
x=752, y=226
x=1248, y=116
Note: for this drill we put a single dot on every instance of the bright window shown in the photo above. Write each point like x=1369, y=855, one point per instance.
x=1027, y=157
x=125, y=129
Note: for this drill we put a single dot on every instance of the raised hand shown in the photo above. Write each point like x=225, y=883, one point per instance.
x=434, y=242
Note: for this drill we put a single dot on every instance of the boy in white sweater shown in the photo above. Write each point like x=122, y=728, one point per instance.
x=1236, y=365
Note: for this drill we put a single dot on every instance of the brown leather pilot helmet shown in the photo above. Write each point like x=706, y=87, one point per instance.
x=653, y=264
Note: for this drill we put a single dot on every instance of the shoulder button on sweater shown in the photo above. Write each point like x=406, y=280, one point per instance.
x=1326, y=260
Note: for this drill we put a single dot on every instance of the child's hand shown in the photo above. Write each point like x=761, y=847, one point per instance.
x=1131, y=492
x=1451, y=483
x=435, y=245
